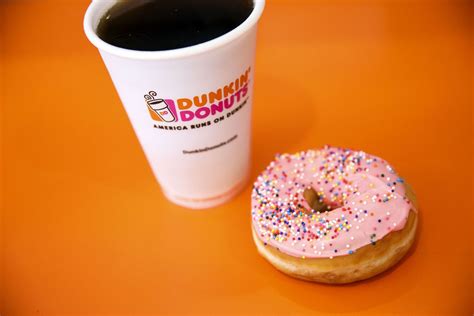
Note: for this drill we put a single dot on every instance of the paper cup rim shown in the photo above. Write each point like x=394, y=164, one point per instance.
x=91, y=18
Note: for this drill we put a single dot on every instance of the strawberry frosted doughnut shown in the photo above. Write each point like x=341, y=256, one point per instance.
x=332, y=215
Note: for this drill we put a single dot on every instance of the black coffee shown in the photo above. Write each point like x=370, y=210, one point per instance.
x=151, y=25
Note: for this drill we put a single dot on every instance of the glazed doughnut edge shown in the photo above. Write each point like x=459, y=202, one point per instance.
x=365, y=263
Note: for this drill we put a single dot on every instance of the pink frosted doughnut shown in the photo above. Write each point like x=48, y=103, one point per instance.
x=361, y=220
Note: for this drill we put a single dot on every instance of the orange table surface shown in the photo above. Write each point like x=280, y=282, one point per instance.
x=85, y=229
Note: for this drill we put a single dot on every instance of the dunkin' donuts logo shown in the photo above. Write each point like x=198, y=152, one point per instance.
x=205, y=106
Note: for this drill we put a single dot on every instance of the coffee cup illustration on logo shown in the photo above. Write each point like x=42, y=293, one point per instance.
x=160, y=107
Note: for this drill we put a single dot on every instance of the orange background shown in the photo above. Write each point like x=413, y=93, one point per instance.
x=86, y=230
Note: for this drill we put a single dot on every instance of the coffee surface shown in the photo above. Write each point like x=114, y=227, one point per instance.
x=154, y=25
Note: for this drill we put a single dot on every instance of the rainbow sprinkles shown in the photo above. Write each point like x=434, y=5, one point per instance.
x=364, y=200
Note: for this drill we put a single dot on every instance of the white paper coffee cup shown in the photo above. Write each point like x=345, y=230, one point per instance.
x=190, y=108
